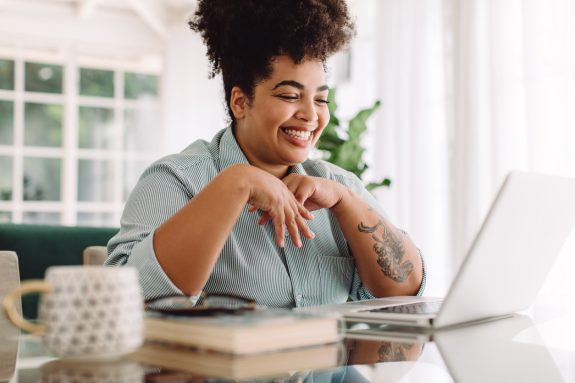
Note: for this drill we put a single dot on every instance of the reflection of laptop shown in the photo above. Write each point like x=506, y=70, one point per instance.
x=528, y=223
x=491, y=352
x=486, y=352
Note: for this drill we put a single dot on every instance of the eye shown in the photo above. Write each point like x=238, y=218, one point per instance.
x=322, y=101
x=287, y=97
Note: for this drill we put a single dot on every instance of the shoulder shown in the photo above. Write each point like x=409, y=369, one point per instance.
x=199, y=154
x=193, y=167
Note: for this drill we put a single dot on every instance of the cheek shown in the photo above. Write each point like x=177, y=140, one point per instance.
x=323, y=117
x=274, y=116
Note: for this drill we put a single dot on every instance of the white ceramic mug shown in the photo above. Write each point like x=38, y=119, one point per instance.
x=84, y=311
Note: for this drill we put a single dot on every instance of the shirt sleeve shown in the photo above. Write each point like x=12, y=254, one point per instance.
x=152, y=277
x=143, y=213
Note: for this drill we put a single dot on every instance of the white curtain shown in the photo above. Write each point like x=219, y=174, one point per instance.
x=470, y=90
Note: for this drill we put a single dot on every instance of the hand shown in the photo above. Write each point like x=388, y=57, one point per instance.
x=276, y=203
x=314, y=192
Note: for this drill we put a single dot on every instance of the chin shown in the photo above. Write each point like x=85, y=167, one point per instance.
x=293, y=160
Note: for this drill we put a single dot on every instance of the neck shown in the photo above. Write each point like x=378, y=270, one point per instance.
x=279, y=171
x=276, y=170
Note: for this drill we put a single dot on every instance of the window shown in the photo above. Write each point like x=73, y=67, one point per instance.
x=74, y=139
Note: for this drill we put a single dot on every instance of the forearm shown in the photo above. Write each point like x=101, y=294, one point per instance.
x=188, y=244
x=387, y=260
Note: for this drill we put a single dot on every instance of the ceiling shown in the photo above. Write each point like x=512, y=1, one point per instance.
x=156, y=14
x=134, y=31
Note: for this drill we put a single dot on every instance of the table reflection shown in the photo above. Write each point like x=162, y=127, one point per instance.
x=500, y=351
x=350, y=353
x=484, y=352
x=77, y=371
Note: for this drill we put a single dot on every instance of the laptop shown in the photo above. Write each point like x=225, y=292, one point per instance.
x=528, y=222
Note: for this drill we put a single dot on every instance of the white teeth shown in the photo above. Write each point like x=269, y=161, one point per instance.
x=299, y=134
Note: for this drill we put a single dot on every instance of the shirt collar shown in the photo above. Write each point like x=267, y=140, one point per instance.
x=230, y=151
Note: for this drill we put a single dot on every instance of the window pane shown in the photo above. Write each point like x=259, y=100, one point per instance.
x=95, y=180
x=141, y=129
x=5, y=217
x=137, y=85
x=5, y=178
x=6, y=122
x=42, y=179
x=43, y=218
x=96, y=82
x=43, y=78
x=132, y=172
x=7, y=74
x=43, y=125
x=96, y=219
x=96, y=128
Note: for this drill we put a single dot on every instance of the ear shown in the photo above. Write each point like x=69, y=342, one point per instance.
x=238, y=102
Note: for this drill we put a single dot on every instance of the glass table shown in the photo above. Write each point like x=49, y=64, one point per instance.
x=535, y=346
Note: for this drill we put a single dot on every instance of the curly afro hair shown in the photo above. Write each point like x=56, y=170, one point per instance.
x=243, y=36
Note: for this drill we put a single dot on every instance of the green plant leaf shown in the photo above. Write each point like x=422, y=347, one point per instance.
x=342, y=146
x=374, y=185
x=358, y=124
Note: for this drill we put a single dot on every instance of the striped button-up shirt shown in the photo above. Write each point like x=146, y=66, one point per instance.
x=250, y=264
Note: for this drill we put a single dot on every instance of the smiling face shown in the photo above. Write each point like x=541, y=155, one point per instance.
x=285, y=117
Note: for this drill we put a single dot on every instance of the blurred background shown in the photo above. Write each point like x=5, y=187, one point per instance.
x=93, y=91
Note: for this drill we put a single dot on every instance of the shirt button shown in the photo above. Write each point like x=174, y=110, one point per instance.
x=299, y=297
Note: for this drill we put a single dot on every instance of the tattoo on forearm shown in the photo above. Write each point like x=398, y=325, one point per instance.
x=390, y=251
x=393, y=352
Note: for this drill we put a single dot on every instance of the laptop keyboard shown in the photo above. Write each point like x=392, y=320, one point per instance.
x=411, y=308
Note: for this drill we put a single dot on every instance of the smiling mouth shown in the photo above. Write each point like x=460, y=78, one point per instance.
x=302, y=135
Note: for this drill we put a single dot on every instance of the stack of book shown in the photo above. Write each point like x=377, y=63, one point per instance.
x=252, y=344
x=246, y=333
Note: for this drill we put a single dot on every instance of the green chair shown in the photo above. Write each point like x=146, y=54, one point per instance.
x=41, y=246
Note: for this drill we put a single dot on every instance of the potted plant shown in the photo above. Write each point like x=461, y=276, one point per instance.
x=341, y=145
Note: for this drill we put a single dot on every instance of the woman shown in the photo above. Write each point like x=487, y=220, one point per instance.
x=248, y=213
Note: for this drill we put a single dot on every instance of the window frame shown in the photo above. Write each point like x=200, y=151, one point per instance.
x=69, y=207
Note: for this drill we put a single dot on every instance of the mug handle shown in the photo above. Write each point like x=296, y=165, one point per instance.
x=9, y=304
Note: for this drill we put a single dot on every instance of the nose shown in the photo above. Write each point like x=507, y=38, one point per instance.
x=307, y=112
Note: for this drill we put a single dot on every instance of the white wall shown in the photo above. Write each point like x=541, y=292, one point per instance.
x=193, y=104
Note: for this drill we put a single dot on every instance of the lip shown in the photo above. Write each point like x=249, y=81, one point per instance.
x=297, y=141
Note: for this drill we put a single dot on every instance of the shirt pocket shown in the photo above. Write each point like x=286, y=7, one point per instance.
x=336, y=277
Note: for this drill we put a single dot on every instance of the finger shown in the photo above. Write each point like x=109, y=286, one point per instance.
x=304, y=228
x=264, y=218
x=305, y=213
x=279, y=229
x=252, y=208
x=297, y=186
x=293, y=231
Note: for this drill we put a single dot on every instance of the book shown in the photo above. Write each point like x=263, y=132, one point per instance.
x=177, y=359
x=246, y=333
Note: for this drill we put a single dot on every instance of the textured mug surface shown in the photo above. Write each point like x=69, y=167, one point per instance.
x=92, y=311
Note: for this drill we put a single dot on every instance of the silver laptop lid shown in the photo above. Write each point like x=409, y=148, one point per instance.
x=524, y=231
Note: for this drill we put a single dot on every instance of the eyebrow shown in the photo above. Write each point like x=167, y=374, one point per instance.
x=297, y=85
